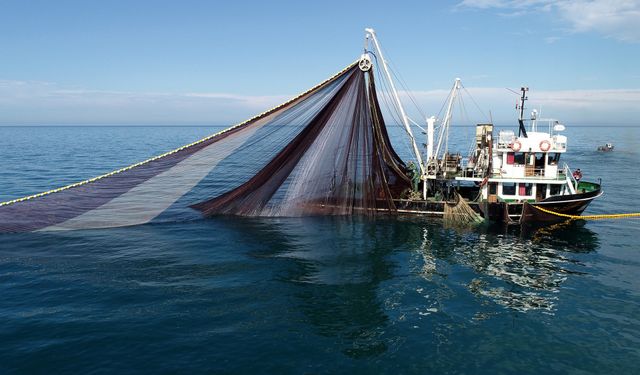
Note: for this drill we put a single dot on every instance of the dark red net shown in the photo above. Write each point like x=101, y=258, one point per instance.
x=341, y=163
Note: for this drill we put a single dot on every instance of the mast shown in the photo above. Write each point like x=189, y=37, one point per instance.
x=405, y=119
x=431, y=121
x=444, y=129
x=521, y=130
x=430, y=126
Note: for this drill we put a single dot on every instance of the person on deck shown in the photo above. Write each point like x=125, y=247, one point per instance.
x=577, y=175
x=414, y=174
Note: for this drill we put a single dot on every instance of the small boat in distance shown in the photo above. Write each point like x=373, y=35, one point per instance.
x=606, y=147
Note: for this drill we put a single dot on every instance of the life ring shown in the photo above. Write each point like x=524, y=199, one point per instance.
x=516, y=146
x=545, y=145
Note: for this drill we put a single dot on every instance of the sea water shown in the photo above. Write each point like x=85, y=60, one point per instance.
x=314, y=295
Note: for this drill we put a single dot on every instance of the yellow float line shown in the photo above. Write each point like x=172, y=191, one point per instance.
x=589, y=217
x=263, y=114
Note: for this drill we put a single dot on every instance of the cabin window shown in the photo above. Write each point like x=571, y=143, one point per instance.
x=541, y=191
x=493, y=188
x=524, y=190
x=510, y=158
x=539, y=160
x=519, y=158
x=509, y=188
x=554, y=158
x=554, y=189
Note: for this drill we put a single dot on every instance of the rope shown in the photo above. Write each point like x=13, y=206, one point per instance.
x=474, y=101
x=265, y=113
x=589, y=217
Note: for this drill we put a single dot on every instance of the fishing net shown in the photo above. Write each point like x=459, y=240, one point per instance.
x=460, y=213
x=325, y=152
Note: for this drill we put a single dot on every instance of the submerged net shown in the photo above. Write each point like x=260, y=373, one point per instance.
x=325, y=152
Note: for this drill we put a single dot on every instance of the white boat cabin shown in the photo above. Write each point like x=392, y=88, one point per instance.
x=521, y=168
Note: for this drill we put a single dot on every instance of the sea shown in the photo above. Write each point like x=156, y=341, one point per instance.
x=323, y=295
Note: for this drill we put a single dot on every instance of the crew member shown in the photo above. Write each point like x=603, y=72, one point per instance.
x=415, y=175
x=577, y=175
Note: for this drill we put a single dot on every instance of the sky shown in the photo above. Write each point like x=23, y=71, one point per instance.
x=191, y=62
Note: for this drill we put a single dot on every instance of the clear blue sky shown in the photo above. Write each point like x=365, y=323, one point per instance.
x=216, y=62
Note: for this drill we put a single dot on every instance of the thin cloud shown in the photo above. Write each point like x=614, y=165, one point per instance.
x=612, y=18
x=33, y=102
x=551, y=39
x=616, y=106
x=515, y=6
x=483, y=4
x=30, y=102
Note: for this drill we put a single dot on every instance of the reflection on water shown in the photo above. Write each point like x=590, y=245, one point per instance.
x=363, y=285
x=522, y=272
x=337, y=267
x=353, y=277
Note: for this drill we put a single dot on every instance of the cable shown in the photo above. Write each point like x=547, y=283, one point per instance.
x=474, y=102
x=589, y=217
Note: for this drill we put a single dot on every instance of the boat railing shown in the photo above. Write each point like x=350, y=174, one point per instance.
x=542, y=123
x=471, y=173
x=535, y=174
x=531, y=171
x=569, y=176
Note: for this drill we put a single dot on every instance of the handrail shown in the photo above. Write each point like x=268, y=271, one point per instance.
x=572, y=181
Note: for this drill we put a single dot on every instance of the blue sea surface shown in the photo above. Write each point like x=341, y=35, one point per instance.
x=320, y=295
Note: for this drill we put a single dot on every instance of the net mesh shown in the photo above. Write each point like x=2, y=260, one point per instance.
x=460, y=214
x=326, y=152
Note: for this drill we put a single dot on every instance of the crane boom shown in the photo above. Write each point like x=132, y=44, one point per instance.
x=405, y=119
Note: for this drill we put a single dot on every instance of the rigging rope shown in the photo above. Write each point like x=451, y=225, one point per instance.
x=392, y=108
x=589, y=217
x=406, y=90
x=474, y=102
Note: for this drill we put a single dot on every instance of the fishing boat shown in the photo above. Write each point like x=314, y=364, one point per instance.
x=327, y=151
x=507, y=178
x=607, y=147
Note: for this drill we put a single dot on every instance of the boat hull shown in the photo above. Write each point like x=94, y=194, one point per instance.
x=512, y=212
